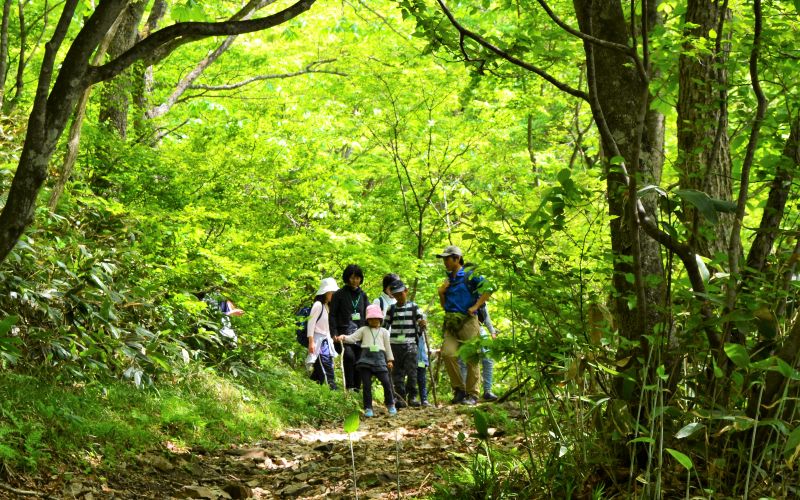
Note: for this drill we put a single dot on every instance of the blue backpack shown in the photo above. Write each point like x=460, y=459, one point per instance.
x=473, y=289
x=302, y=315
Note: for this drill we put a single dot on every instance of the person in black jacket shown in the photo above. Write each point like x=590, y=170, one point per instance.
x=348, y=313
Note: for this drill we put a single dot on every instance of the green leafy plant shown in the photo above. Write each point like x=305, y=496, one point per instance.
x=351, y=423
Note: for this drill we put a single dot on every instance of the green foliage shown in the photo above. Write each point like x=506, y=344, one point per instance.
x=705, y=204
x=478, y=480
x=481, y=424
x=682, y=459
x=387, y=154
x=351, y=423
x=43, y=418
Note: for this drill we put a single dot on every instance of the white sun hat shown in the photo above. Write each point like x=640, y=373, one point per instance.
x=327, y=285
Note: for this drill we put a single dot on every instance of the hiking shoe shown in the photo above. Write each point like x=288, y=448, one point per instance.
x=459, y=397
x=469, y=401
x=400, y=403
x=369, y=413
x=489, y=396
x=392, y=410
x=425, y=402
x=415, y=403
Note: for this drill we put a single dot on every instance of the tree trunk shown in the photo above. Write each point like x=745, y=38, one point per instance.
x=774, y=382
x=704, y=155
x=619, y=90
x=143, y=75
x=116, y=93
x=74, y=138
x=4, y=48
x=776, y=202
x=51, y=109
x=10, y=104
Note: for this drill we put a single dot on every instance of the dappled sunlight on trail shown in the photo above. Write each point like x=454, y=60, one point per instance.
x=404, y=450
x=395, y=455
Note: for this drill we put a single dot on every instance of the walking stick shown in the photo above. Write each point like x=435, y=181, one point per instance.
x=430, y=366
x=344, y=380
x=391, y=386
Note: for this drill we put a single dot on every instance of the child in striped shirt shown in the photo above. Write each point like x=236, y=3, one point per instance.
x=405, y=321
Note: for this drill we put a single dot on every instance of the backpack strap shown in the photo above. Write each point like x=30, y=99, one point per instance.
x=414, y=312
x=468, y=281
x=389, y=315
x=322, y=310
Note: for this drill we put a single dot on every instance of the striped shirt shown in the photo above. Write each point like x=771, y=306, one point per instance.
x=401, y=323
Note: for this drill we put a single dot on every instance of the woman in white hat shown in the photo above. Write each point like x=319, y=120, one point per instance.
x=320, y=344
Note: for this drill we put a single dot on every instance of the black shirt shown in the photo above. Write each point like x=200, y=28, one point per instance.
x=344, y=303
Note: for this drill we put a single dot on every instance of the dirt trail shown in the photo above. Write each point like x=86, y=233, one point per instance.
x=298, y=463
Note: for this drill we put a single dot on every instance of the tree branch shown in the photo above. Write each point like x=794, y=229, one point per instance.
x=187, y=81
x=625, y=49
x=308, y=69
x=180, y=33
x=19, y=83
x=161, y=133
x=17, y=491
x=384, y=20
x=744, y=181
x=38, y=115
x=508, y=57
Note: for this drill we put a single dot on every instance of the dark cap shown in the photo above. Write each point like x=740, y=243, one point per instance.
x=398, y=286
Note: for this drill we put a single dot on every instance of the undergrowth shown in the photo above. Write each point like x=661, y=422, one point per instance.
x=48, y=424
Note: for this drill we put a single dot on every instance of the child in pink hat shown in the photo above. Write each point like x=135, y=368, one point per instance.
x=376, y=358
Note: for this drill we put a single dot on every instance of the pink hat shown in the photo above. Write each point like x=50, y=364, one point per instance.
x=374, y=311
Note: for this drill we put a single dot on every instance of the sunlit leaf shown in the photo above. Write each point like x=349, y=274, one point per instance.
x=738, y=354
x=684, y=460
x=689, y=429
x=650, y=188
x=352, y=422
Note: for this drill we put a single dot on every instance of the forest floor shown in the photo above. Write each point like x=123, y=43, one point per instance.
x=404, y=453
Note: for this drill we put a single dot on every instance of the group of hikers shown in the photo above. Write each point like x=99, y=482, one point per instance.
x=388, y=336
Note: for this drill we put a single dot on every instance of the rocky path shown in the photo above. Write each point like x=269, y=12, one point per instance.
x=391, y=453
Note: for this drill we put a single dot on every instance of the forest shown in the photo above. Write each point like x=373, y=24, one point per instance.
x=622, y=172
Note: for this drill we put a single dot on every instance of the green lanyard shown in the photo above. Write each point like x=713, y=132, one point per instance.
x=374, y=338
x=355, y=303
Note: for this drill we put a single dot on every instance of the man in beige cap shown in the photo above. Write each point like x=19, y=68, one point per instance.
x=461, y=295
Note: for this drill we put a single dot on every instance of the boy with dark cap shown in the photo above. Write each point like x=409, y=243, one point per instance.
x=385, y=299
x=405, y=321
